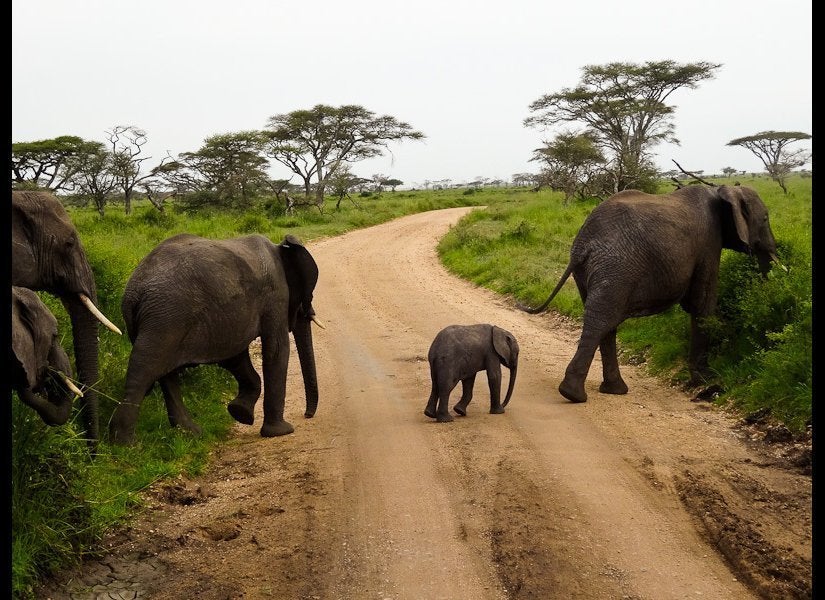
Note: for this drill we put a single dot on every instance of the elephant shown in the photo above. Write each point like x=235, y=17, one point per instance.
x=194, y=300
x=40, y=367
x=638, y=254
x=47, y=256
x=457, y=353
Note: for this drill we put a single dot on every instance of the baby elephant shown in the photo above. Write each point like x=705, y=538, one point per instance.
x=457, y=353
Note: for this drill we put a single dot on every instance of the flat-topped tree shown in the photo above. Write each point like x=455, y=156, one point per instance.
x=315, y=143
x=770, y=147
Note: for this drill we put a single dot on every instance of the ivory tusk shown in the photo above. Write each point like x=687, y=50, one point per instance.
x=69, y=384
x=775, y=259
x=318, y=323
x=99, y=315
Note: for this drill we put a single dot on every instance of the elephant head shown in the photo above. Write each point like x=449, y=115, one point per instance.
x=746, y=227
x=47, y=256
x=40, y=368
x=506, y=346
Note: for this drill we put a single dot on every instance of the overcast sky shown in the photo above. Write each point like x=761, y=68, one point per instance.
x=461, y=72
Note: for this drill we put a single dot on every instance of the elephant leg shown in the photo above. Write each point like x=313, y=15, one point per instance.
x=612, y=382
x=698, y=356
x=466, y=395
x=143, y=370
x=429, y=410
x=242, y=408
x=572, y=386
x=603, y=311
x=275, y=352
x=175, y=409
x=442, y=413
x=593, y=331
x=494, y=380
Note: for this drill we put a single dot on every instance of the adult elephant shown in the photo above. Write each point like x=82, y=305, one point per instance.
x=458, y=353
x=40, y=367
x=47, y=256
x=638, y=254
x=194, y=300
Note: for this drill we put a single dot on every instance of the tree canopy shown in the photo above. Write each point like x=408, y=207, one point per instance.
x=770, y=148
x=47, y=163
x=315, y=143
x=623, y=105
x=231, y=167
x=571, y=163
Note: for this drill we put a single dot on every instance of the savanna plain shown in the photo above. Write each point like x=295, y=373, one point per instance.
x=665, y=492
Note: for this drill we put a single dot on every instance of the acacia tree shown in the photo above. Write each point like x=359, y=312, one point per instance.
x=623, y=105
x=230, y=167
x=315, y=143
x=93, y=175
x=48, y=163
x=570, y=163
x=770, y=148
x=393, y=183
x=126, y=143
x=343, y=182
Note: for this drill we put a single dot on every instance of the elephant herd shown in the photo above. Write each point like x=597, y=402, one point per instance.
x=194, y=300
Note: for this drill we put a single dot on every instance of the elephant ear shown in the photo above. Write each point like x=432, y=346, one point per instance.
x=502, y=345
x=30, y=340
x=735, y=230
x=301, y=274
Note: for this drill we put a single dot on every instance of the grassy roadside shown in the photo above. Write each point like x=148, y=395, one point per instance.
x=62, y=503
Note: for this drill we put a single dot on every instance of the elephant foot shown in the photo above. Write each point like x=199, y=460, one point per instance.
x=445, y=418
x=496, y=410
x=698, y=379
x=429, y=411
x=461, y=409
x=613, y=387
x=241, y=412
x=574, y=394
x=190, y=426
x=121, y=438
x=276, y=429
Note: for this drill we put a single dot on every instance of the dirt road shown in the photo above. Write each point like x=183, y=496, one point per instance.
x=643, y=496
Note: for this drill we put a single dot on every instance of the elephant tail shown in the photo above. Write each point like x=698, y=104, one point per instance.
x=546, y=303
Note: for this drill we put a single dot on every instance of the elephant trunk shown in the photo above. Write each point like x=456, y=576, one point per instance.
x=513, y=371
x=54, y=410
x=306, y=355
x=85, y=338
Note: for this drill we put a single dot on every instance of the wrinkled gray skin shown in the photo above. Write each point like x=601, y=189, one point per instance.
x=458, y=353
x=47, y=256
x=638, y=254
x=196, y=301
x=38, y=357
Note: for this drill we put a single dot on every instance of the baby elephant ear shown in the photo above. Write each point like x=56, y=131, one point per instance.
x=503, y=345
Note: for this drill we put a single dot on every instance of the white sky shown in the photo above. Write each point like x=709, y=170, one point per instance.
x=462, y=72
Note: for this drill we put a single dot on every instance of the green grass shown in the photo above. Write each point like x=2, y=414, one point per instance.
x=62, y=503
